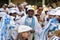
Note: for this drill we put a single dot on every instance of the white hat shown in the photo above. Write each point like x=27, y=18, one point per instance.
x=23, y=28
x=52, y=12
x=58, y=8
x=2, y=14
x=5, y=4
x=28, y=6
x=25, y=3
x=12, y=11
x=11, y=5
x=57, y=13
x=30, y=9
x=22, y=4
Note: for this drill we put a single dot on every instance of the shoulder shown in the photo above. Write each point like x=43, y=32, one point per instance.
x=35, y=17
x=36, y=20
x=23, y=17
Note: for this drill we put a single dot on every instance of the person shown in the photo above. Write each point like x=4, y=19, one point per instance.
x=21, y=10
x=41, y=13
x=45, y=17
x=58, y=17
x=52, y=25
x=38, y=17
x=13, y=24
x=56, y=35
x=2, y=28
x=5, y=7
x=31, y=20
x=4, y=22
x=39, y=20
x=23, y=32
x=48, y=16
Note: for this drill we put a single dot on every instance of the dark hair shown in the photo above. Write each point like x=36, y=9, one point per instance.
x=12, y=13
x=37, y=15
x=30, y=10
x=38, y=6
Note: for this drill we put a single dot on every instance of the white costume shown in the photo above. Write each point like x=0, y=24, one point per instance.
x=13, y=28
x=37, y=27
x=52, y=25
x=55, y=38
x=33, y=23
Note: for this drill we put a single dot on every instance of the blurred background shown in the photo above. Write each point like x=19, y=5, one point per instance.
x=53, y=3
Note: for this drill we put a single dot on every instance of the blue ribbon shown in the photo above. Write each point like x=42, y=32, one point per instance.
x=32, y=23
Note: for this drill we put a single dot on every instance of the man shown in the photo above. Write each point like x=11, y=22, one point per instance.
x=48, y=16
x=31, y=20
x=21, y=10
x=2, y=28
x=13, y=24
x=4, y=21
x=52, y=25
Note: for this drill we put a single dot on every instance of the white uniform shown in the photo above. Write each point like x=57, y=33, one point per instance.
x=37, y=27
x=55, y=38
x=13, y=25
x=2, y=30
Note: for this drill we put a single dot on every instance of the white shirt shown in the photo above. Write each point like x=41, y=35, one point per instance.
x=37, y=25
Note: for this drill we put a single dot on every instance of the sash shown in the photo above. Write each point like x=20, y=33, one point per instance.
x=43, y=34
x=32, y=22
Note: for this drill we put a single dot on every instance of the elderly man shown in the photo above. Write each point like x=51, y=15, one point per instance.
x=31, y=20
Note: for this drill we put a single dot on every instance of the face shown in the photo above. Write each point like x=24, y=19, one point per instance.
x=30, y=13
x=38, y=16
x=58, y=17
x=20, y=8
x=51, y=16
x=25, y=34
x=39, y=11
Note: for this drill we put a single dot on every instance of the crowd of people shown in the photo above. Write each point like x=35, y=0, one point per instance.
x=26, y=22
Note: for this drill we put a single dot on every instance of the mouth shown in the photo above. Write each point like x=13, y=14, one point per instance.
x=30, y=16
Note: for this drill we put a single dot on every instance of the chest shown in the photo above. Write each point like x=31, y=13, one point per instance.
x=29, y=20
